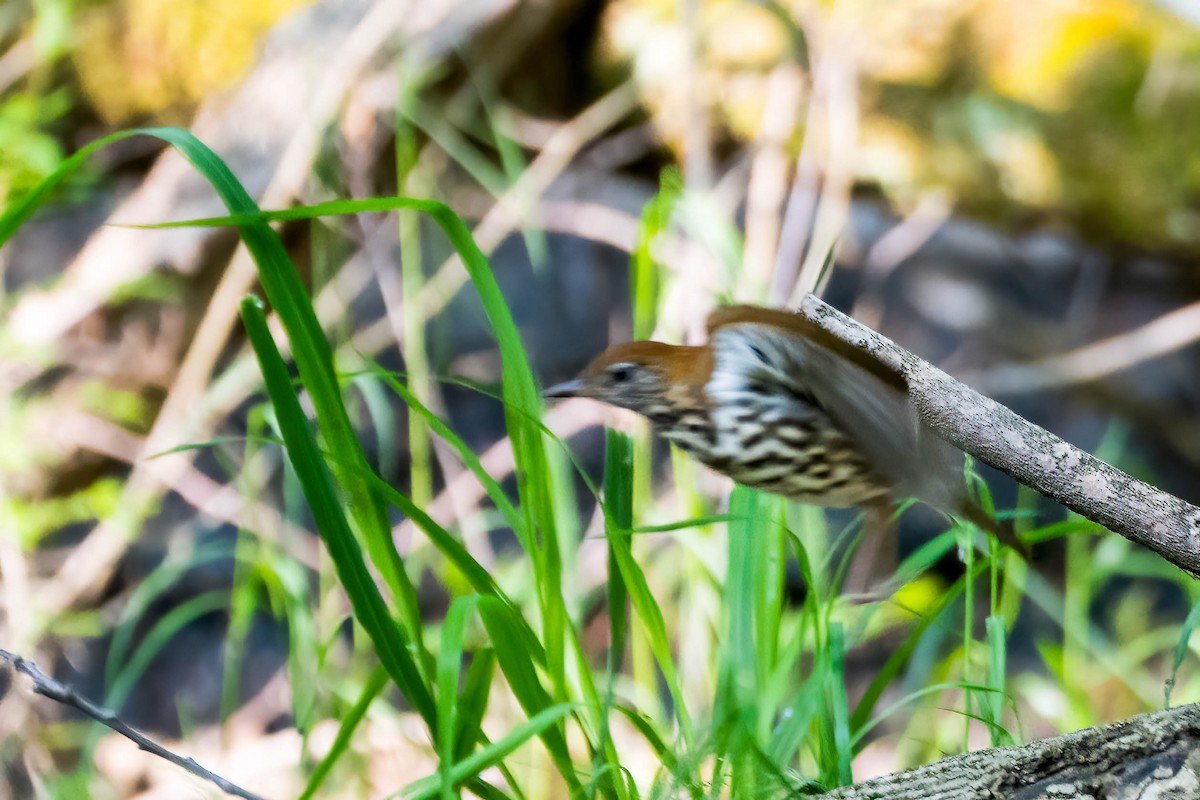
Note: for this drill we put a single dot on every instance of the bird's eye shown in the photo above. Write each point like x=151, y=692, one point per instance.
x=621, y=373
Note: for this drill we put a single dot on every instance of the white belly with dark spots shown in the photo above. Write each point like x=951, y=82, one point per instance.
x=768, y=434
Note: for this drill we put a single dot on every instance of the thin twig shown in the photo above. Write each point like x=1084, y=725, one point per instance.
x=1034, y=456
x=46, y=686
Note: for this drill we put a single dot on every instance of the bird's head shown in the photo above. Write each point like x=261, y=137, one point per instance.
x=650, y=378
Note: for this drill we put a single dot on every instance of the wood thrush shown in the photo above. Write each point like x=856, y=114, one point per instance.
x=777, y=404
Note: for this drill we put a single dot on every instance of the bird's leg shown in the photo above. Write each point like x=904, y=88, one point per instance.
x=1002, y=530
x=877, y=556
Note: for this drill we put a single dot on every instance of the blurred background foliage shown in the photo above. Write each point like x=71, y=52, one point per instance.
x=1002, y=182
x=1023, y=111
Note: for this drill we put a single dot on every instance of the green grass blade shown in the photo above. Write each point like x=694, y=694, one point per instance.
x=382, y=423
x=476, y=691
x=288, y=583
x=695, y=522
x=470, y=460
x=618, y=519
x=645, y=607
x=155, y=640
x=314, y=361
x=838, y=703
x=449, y=667
x=522, y=405
x=789, y=734
x=21, y=210
x=933, y=688
x=477, y=576
x=520, y=389
x=993, y=701
x=157, y=637
x=537, y=725
x=350, y=721
x=737, y=698
x=313, y=473
x=515, y=662
x=901, y=656
x=618, y=508
x=1181, y=651
x=288, y=297
x=147, y=591
x=644, y=267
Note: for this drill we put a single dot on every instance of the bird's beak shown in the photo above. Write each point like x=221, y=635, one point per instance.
x=568, y=389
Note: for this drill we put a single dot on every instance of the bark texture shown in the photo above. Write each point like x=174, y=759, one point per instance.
x=1149, y=757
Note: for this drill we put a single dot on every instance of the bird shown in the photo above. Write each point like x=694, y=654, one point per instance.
x=778, y=404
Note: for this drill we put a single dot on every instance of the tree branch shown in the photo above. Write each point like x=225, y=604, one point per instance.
x=1150, y=755
x=1034, y=456
x=44, y=685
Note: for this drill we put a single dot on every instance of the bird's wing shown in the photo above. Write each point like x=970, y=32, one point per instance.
x=866, y=399
x=799, y=325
